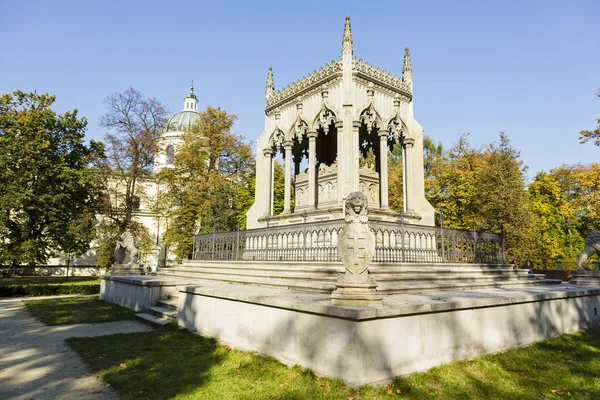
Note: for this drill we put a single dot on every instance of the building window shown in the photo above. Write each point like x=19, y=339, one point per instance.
x=170, y=154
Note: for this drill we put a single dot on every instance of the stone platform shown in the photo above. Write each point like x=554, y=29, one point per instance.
x=589, y=278
x=408, y=333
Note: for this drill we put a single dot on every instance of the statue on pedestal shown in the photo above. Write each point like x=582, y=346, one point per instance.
x=356, y=246
x=592, y=245
x=582, y=276
x=126, y=256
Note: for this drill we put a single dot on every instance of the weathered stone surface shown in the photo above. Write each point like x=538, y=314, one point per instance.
x=586, y=278
x=361, y=344
x=126, y=251
x=126, y=270
x=356, y=246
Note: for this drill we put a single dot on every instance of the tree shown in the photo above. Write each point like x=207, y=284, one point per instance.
x=485, y=190
x=210, y=184
x=48, y=198
x=134, y=123
x=559, y=238
x=586, y=135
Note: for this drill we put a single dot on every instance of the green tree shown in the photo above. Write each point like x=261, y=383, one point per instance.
x=586, y=135
x=134, y=123
x=485, y=190
x=209, y=186
x=559, y=237
x=48, y=198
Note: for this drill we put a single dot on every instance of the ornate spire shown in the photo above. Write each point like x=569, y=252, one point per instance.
x=407, y=68
x=347, y=43
x=270, y=90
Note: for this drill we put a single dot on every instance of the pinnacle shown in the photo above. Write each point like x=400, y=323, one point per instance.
x=270, y=89
x=347, y=43
x=407, y=67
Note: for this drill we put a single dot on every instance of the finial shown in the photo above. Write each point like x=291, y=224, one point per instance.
x=347, y=43
x=191, y=95
x=270, y=90
x=407, y=67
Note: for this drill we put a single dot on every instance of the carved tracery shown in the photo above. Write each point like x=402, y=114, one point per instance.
x=299, y=129
x=397, y=128
x=370, y=117
x=324, y=118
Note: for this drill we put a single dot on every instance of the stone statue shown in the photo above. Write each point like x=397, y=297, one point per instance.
x=356, y=247
x=592, y=245
x=356, y=244
x=126, y=247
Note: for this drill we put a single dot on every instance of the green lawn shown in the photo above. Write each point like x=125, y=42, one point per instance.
x=77, y=310
x=174, y=363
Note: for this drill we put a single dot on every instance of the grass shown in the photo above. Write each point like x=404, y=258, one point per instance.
x=176, y=364
x=25, y=286
x=78, y=310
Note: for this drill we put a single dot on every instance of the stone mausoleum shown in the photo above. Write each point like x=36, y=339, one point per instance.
x=335, y=293
x=334, y=129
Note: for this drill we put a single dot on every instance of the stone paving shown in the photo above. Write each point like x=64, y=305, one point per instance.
x=36, y=363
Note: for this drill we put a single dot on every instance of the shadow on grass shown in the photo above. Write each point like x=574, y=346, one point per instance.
x=564, y=367
x=77, y=310
x=158, y=364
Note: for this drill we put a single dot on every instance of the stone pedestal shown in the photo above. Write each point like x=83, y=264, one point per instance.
x=126, y=270
x=586, y=278
x=356, y=292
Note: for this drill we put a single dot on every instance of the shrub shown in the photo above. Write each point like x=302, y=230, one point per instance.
x=50, y=289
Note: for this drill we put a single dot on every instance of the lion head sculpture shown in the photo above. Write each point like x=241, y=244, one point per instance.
x=356, y=207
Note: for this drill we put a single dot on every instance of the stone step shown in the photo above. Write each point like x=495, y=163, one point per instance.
x=330, y=276
x=310, y=286
x=394, y=285
x=170, y=303
x=408, y=279
x=233, y=274
x=153, y=319
x=163, y=312
x=302, y=265
x=333, y=271
x=406, y=288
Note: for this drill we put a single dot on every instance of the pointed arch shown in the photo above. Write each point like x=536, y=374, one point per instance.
x=397, y=128
x=276, y=139
x=325, y=117
x=370, y=117
x=299, y=129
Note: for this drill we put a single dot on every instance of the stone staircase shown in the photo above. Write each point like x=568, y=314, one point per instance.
x=164, y=312
x=321, y=277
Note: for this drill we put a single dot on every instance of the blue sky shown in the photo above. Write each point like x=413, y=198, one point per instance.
x=528, y=68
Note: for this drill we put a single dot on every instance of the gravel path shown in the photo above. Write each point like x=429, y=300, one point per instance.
x=36, y=363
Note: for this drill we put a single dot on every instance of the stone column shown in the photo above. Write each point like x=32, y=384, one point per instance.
x=288, y=177
x=383, y=169
x=312, y=172
x=268, y=153
x=408, y=189
x=355, y=166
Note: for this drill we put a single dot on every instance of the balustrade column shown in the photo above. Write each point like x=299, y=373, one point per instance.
x=383, y=169
x=312, y=173
x=408, y=169
x=287, y=198
x=268, y=153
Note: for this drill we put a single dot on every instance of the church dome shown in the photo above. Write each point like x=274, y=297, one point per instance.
x=188, y=117
x=181, y=121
